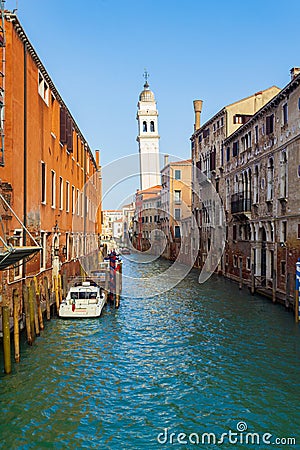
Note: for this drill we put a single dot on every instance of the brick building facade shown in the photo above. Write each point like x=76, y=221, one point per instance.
x=48, y=172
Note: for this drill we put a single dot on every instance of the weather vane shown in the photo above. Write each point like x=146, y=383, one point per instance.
x=146, y=76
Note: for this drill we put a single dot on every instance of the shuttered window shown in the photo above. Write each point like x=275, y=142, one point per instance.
x=66, y=129
x=63, y=125
x=235, y=148
x=270, y=124
x=213, y=160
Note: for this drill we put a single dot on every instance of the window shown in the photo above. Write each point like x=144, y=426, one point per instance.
x=177, y=231
x=177, y=196
x=206, y=133
x=234, y=232
x=212, y=159
x=270, y=124
x=53, y=188
x=144, y=126
x=256, y=134
x=227, y=154
x=43, y=88
x=61, y=193
x=285, y=114
x=235, y=261
x=237, y=119
x=298, y=236
x=283, y=174
x=255, y=185
x=177, y=174
x=82, y=204
x=222, y=121
x=283, y=267
x=177, y=213
x=43, y=182
x=152, y=126
x=78, y=203
x=283, y=231
x=73, y=199
x=235, y=148
x=67, y=196
x=248, y=263
x=227, y=193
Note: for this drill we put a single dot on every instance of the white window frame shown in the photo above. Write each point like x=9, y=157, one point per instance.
x=43, y=88
x=53, y=189
x=61, y=193
x=67, y=196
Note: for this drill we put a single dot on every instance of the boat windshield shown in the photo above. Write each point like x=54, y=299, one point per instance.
x=83, y=295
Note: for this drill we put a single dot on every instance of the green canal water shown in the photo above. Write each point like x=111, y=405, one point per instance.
x=197, y=359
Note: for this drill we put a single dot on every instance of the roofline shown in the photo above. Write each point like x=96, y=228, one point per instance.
x=11, y=17
x=292, y=85
x=221, y=111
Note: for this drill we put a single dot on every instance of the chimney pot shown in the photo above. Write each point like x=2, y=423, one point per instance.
x=198, y=110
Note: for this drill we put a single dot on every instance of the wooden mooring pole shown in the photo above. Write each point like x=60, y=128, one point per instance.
x=56, y=291
x=47, y=299
x=38, y=303
x=31, y=311
x=16, y=326
x=27, y=316
x=36, y=318
x=6, y=339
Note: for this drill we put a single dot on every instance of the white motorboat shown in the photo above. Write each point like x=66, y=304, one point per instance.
x=84, y=299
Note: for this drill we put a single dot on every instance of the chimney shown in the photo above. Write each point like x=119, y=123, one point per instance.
x=197, y=109
x=166, y=160
x=294, y=72
x=97, y=154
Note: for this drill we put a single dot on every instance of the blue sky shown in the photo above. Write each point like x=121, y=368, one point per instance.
x=96, y=51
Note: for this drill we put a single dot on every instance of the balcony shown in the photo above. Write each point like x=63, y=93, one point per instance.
x=240, y=203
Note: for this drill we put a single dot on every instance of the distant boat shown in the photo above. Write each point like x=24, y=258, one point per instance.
x=84, y=300
x=125, y=251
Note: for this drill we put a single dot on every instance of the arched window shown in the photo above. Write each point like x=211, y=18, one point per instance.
x=255, y=185
x=152, y=126
x=144, y=126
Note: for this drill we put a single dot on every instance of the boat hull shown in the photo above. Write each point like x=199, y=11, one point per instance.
x=67, y=312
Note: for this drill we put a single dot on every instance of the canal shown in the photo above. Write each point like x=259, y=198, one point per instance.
x=193, y=360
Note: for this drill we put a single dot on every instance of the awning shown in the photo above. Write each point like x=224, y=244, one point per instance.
x=14, y=254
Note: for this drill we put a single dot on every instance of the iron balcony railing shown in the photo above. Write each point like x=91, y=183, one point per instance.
x=240, y=203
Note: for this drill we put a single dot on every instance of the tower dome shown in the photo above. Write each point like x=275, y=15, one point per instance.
x=146, y=95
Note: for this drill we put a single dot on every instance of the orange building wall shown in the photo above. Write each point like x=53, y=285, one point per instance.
x=43, y=144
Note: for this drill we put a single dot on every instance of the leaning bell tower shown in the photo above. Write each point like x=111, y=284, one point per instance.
x=148, y=138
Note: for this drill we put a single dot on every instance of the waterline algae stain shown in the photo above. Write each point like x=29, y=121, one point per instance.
x=197, y=360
